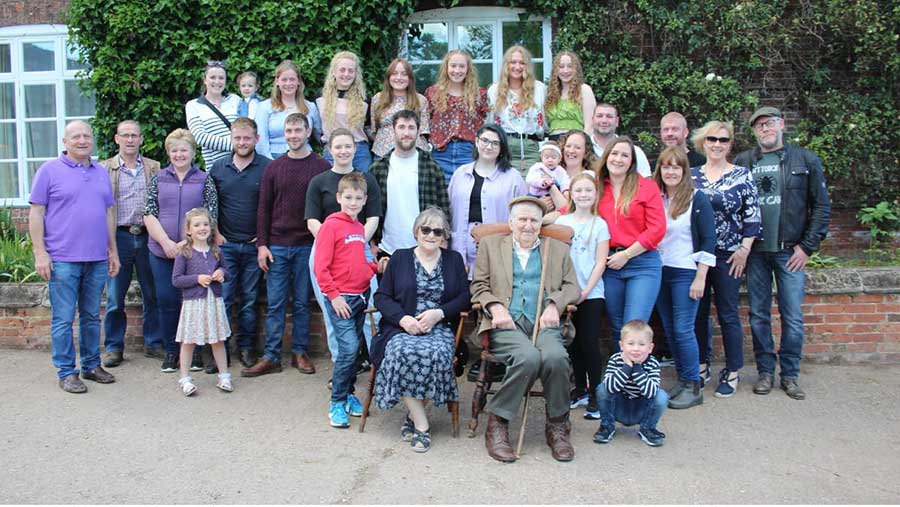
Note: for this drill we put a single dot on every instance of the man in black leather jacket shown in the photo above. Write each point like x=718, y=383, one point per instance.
x=795, y=214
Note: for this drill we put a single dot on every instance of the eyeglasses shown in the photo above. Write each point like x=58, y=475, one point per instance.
x=770, y=123
x=437, y=231
x=129, y=136
x=714, y=140
x=487, y=142
x=216, y=63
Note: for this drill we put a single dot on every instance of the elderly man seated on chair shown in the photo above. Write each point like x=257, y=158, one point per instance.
x=506, y=281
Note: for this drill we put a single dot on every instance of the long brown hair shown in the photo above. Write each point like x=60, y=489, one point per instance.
x=589, y=162
x=684, y=191
x=470, y=84
x=526, y=96
x=385, y=96
x=187, y=249
x=554, y=89
x=632, y=178
x=277, y=101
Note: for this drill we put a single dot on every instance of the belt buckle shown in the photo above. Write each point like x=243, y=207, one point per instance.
x=136, y=230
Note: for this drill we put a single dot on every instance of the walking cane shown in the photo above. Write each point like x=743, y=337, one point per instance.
x=534, y=333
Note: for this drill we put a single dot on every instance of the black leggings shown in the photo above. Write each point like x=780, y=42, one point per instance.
x=590, y=352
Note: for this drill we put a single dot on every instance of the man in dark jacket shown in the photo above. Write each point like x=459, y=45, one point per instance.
x=795, y=210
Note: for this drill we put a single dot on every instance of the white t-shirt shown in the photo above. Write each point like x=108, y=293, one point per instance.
x=402, y=203
x=583, y=250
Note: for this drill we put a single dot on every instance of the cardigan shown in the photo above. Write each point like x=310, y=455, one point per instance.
x=396, y=295
x=186, y=272
x=703, y=227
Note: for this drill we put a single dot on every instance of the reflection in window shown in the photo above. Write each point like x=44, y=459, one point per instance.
x=40, y=101
x=8, y=141
x=40, y=139
x=9, y=180
x=427, y=41
x=5, y=59
x=476, y=40
x=7, y=101
x=77, y=102
x=72, y=62
x=39, y=56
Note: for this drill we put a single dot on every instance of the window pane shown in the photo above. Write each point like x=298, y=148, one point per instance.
x=72, y=62
x=40, y=137
x=524, y=33
x=40, y=101
x=485, y=74
x=7, y=101
x=9, y=180
x=38, y=56
x=539, y=70
x=79, y=103
x=426, y=75
x=5, y=58
x=427, y=41
x=476, y=39
x=8, y=141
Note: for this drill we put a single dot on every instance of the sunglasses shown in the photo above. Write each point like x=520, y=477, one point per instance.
x=437, y=231
x=487, y=142
x=216, y=63
x=714, y=140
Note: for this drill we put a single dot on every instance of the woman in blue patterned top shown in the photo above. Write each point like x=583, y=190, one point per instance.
x=735, y=204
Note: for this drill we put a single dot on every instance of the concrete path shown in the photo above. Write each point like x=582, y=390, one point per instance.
x=140, y=441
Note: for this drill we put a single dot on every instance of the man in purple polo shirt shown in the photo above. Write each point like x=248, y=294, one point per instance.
x=74, y=249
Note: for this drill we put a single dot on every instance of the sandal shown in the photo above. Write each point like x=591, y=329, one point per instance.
x=421, y=441
x=408, y=430
x=187, y=386
x=225, y=382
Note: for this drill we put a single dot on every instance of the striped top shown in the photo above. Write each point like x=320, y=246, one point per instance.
x=636, y=381
x=211, y=133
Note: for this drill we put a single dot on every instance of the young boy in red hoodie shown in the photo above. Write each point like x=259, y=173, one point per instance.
x=343, y=274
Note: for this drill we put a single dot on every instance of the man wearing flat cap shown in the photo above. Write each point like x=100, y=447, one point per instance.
x=505, y=283
x=795, y=208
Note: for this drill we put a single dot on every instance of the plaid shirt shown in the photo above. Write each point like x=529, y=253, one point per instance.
x=131, y=193
x=432, y=189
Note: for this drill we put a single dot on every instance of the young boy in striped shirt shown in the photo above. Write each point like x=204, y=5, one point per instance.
x=630, y=391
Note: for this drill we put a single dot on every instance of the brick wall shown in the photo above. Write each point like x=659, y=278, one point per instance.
x=31, y=12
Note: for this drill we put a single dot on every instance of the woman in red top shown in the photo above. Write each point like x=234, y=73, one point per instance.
x=458, y=107
x=633, y=209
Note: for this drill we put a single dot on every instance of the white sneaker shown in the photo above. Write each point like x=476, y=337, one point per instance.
x=225, y=382
x=187, y=386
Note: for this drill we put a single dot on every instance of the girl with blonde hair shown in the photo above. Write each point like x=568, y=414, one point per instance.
x=570, y=102
x=343, y=104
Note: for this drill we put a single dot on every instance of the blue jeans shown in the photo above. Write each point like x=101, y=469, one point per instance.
x=454, y=155
x=677, y=312
x=362, y=159
x=346, y=333
x=133, y=255
x=168, y=301
x=243, y=282
x=643, y=411
x=631, y=292
x=76, y=284
x=724, y=288
x=290, y=271
x=791, y=290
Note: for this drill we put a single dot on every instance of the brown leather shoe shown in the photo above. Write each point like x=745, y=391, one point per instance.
x=496, y=439
x=303, y=363
x=557, y=432
x=263, y=367
x=72, y=384
x=98, y=375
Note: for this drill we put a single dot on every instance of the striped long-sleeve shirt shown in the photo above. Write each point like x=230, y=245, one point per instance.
x=635, y=381
x=210, y=132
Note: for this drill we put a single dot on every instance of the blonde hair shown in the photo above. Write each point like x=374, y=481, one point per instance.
x=636, y=327
x=355, y=95
x=570, y=204
x=526, y=96
x=470, y=84
x=277, y=101
x=385, y=96
x=699, y=135
x=187, y=249
x=180, y=136
x=554, y=90
x=630, y=188
x=684, y=191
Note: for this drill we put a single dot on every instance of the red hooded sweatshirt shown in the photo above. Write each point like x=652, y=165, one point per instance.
x=341, y=266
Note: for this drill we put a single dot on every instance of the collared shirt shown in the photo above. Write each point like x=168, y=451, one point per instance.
x=523, y=253
x=238, y=192
x=132, y=193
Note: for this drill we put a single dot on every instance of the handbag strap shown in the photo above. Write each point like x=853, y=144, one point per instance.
x=202, y=100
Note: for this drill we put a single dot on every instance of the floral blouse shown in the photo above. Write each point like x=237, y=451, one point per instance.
x=456, y=122
x=384, y=131
x=512, y=119
x=735, y=205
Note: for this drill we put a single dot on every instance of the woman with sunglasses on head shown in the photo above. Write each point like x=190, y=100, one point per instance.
x=286, y=98
x=480, y=191
x=209, y=116
x=344, y=105
x=399, y=93
x=457, y=107
x=570, y=102
x=421, y=294
x=735, y=203
x=517, y=106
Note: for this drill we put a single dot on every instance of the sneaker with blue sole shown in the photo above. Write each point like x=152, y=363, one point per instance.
x=337, y=416
x=354, y=406
x=580, y=401
x=728, y=383
x=592, y=412
x=652, y=437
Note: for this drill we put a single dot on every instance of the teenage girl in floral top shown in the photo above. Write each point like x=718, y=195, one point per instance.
x=458, y=108
x=399, y=93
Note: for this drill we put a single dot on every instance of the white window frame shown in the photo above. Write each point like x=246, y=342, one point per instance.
x=16, y=37
x=495, y=16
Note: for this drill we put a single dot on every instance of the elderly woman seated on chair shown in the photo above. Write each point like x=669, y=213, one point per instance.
x=423, y=289
x=525, y=332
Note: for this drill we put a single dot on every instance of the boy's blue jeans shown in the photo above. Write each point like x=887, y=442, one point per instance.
x=643, y=411
x=346, y=334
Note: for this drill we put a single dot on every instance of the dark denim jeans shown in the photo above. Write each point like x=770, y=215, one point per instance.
x=454, y=155
x=362, y=159
x=346, y=333
x=724, y=288
x=288, y=278
x=134, y=256
x=628, y=411
x=76, y=285
x=791, y=289
x=242, y=283
x=168, y=301
x=631, y=292
x=677, y=312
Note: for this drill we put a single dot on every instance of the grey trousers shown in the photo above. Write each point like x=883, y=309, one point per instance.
x=524, y=364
